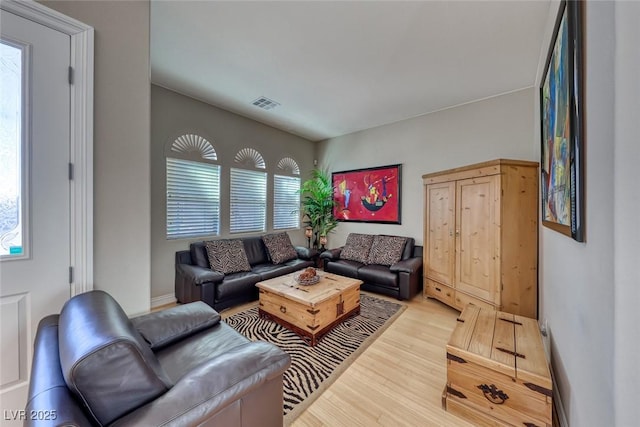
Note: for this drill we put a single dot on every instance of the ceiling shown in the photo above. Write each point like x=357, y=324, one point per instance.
x=340, y=67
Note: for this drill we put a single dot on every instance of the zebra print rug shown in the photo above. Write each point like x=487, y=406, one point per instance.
x=314, y=368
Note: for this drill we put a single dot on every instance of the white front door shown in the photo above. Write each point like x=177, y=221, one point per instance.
x=35, y=236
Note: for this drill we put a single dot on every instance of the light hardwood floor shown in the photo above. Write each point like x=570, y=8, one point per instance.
x=398, y=380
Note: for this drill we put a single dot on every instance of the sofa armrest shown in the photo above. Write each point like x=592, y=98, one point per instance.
x=331, y=254
x=212, y=386
x=165, y=327
x=48, y=392
x=198, y=275
x=306, y=253
x=411, y=265
x=183, y=257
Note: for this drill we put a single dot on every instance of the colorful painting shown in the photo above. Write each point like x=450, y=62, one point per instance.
x=561, y=162
x=368, y=195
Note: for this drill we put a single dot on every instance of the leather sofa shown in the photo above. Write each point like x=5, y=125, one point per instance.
x=196, y=281
x=93, y=366
x=401, y=279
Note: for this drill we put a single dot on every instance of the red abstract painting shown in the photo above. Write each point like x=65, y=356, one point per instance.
x=368, y=195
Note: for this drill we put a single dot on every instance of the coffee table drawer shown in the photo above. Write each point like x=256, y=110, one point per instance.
x=288, y=310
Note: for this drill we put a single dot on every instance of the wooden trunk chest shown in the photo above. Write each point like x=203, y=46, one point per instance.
x=497, y=373
x=309, y=311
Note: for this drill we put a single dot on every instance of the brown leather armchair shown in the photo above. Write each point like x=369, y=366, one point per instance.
x=93, y=366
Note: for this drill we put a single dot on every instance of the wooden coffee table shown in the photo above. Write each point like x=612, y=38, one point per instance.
x=309, y=311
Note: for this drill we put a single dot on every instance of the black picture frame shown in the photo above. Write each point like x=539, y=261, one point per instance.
x=562, y=126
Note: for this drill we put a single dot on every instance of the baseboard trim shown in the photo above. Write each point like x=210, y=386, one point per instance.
x=163, y=300
x=557, y=403
x=559, y=414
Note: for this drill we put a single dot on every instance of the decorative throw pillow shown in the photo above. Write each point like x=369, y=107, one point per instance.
x=279, y=247
x=227, y=256
x=386, y=250
x=357, y=247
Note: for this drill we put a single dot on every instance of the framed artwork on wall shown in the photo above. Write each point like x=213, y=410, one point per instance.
x=368, y=195
x=562, y=131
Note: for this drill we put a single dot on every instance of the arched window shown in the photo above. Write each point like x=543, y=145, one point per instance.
x=248, y=193
x=193, y=188
x=286, y=195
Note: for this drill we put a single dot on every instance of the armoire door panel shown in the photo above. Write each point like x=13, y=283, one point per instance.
x=440, y=220
x=476, y=239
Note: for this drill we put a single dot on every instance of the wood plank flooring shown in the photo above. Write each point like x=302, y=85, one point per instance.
x=398, y=380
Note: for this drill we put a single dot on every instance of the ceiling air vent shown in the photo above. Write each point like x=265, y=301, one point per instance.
x=265, y=103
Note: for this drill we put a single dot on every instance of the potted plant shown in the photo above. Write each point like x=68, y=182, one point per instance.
x=317, y=205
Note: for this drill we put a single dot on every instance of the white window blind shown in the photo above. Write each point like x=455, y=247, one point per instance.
x=193, y=199
x=248, y=200
x=286, y=202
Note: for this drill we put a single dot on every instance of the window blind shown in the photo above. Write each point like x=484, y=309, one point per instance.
x=248, y=194
x=193, y=199
x=286, y=202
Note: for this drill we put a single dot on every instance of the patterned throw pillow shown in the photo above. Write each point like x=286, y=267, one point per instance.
x=227, y=256
x=357, y=247
x=279, y=247
x=386, y=250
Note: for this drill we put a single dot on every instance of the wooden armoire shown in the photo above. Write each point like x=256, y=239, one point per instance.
x=481, y=236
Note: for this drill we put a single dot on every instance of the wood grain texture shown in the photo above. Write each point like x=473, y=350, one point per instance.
x=519, y=254
x=477, y=238
x=534, y=367
x=329, y=285
x=439, y=232
x=496, y=237
x=502, y=372
x=310, y=311
x=398, y=380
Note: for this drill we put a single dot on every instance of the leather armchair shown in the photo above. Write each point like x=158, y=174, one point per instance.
x=94, y=366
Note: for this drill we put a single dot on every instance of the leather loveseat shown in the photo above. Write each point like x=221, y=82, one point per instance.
x=195, y=280
x=93, y=366
x=390, y=265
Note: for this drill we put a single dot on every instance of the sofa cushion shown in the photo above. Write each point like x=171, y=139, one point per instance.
x=386, y=250
x=237, y=284
x=378, y=274
x=165, y=327
x=344, y=267
x=299, y=264
x=279, y=247
x=357, y=247
x=105, y=362
x=227, y=256
x=177, y=360
x=255, y=250
x=269, y=271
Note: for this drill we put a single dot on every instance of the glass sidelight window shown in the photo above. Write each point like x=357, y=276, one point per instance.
x=13, y=152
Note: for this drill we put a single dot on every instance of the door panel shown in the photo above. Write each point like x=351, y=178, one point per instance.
x=36, y=284
x=477, y=237
x=440, y=220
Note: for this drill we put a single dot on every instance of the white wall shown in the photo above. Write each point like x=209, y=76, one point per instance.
x=172, y=115
x=590, y=290
x=121, y=146
x=626, y=208
x=499, y=127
